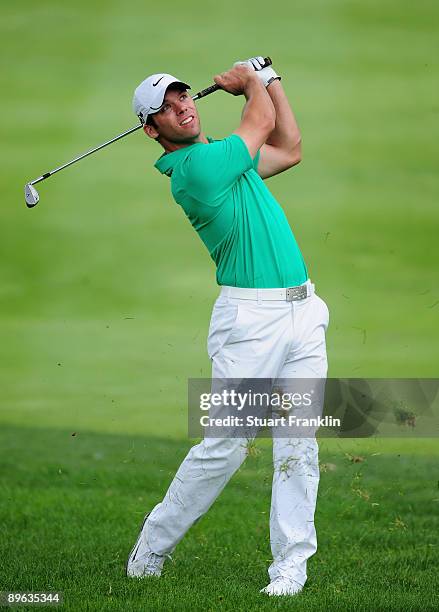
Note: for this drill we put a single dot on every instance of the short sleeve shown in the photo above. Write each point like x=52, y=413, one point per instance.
x=212, y=170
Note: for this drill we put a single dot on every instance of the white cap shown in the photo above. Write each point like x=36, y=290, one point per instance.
x=149, y=95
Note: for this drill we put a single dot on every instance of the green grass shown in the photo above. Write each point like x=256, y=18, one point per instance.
x=105, y=295
x=74, y=503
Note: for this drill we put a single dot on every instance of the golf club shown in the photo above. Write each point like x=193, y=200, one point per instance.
x=31, y=194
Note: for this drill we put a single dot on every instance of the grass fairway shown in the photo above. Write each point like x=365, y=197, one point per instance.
x=72, y=506
x=105, y=296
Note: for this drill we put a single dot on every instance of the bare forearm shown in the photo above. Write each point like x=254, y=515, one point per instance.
x=286, y=133
x=259, y=107
x=258, y=116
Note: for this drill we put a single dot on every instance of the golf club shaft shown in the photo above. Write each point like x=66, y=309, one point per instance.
x=197, y=96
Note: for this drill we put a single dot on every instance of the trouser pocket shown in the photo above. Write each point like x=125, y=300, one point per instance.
x=223, y=322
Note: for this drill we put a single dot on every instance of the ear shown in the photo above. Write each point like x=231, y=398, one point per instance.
x=150, y=131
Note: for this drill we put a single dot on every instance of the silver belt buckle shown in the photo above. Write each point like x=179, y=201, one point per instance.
x=296, y=293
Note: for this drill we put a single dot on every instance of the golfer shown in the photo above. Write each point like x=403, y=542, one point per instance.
x=267, y=322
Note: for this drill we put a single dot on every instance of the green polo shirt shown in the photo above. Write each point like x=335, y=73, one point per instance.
x=242, y=225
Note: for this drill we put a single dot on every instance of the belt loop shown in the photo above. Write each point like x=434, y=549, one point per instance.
x=259, y=297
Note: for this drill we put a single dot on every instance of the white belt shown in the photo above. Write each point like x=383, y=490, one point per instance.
x=287, y=294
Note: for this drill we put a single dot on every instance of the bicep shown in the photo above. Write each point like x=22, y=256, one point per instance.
x=273, y=160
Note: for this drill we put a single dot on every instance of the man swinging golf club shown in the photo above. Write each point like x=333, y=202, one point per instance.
x=268, y=322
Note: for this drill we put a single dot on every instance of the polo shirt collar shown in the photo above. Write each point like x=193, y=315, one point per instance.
x=167, y=162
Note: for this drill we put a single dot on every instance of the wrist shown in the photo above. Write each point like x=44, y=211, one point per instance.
x=274, y=79
x=253, y=83
x=268, y=76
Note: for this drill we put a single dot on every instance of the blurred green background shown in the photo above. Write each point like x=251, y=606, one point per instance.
x=106, y=291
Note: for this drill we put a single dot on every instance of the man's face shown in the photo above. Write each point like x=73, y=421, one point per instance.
x=177, y=121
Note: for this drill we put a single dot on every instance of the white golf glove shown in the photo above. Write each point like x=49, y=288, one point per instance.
x=266, y=75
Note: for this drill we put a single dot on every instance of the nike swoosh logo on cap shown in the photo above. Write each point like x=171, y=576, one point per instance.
x=154, y=84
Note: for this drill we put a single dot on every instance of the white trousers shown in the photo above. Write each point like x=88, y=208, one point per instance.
x=255, y=339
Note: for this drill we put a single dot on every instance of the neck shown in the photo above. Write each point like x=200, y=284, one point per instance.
x=170, y=147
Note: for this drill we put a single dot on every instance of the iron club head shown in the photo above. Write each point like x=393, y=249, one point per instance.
x=31, y=195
